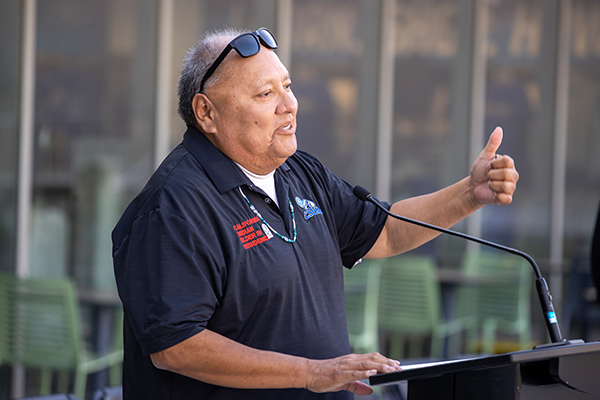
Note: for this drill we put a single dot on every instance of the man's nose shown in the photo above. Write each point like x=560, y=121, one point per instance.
x=288, y=103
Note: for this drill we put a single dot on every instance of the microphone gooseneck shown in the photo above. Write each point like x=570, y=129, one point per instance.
x=540, y=283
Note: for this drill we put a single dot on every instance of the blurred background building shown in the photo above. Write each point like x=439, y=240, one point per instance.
x=398, y=96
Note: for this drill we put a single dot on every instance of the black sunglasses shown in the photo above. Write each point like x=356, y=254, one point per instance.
x=246, y=45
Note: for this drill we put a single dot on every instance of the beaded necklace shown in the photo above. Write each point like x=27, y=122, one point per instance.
x=279, y=235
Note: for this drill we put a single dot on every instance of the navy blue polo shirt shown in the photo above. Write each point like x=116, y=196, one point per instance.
x=189, y=254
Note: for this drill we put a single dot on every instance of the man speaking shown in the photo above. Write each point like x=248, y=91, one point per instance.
x=229, y=262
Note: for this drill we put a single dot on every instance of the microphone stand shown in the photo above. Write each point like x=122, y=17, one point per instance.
x=540, y=283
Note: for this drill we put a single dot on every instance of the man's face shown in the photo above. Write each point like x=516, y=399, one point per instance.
x=254, y=112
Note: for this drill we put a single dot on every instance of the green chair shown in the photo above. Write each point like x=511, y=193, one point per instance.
x=116, y=370
x=5, y=281
x=500, y=300
x=44, y=332
x=361, y=287
x=410, y=309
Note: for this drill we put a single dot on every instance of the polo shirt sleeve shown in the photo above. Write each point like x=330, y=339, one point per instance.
x=168, y=281
x=357, y=223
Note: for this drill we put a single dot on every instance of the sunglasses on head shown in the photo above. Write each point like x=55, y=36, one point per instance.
x=246, y=45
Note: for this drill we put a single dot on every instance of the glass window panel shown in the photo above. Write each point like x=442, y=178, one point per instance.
x=9, y=78
x=432, y=78
x=193, y=18
x=520, y=86
x=334, y=70
x=583, y=140
x=94, y=129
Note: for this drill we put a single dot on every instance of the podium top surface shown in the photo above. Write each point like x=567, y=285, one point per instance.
x=427, y=370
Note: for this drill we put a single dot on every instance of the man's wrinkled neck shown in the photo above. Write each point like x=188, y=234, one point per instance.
x=253, y=164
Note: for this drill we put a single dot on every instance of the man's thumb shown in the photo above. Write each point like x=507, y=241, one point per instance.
x=493, y=143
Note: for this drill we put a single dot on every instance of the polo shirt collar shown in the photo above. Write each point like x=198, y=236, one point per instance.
x=221, y=169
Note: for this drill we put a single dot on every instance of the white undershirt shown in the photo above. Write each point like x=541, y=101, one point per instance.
x=265, y=182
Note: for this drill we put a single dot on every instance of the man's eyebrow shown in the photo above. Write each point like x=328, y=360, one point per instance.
x=264, y=81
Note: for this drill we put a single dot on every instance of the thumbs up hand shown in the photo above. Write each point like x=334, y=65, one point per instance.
x=494, y=176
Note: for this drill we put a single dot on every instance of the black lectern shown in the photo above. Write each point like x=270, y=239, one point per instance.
x=570, y=371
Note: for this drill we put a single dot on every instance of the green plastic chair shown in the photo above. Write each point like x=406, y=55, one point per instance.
x=44, y=332
x=5, y=281
x=499, y=303
x=361, y=287
x=116, y=370
x=410, y=309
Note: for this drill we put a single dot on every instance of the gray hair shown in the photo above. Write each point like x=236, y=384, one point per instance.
x=195, y=64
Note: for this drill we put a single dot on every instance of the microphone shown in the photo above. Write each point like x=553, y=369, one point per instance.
x=540, y=283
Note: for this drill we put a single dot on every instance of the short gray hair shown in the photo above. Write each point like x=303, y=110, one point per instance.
x=195, y=64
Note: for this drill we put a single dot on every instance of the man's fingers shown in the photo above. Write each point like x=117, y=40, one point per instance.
x=359, y=388
x=502, y=162
x=503, y=198
x=503, y=179
x=503, y=174
x=378, y=368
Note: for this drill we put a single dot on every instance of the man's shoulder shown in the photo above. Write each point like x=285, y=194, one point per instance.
x=179, y=166
x=179, y=172
x=306, y=162
x=306, y=157
x=177, y=176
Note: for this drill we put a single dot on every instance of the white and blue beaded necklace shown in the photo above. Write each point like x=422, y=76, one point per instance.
x=279, y=235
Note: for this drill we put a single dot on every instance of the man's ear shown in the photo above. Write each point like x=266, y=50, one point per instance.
x=204, y=112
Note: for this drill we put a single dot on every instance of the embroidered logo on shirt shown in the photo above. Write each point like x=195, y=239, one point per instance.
x=248, y=235
x=310, y=209
x=151, y=323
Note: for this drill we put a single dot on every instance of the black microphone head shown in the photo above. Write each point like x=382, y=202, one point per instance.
x=361, y=193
